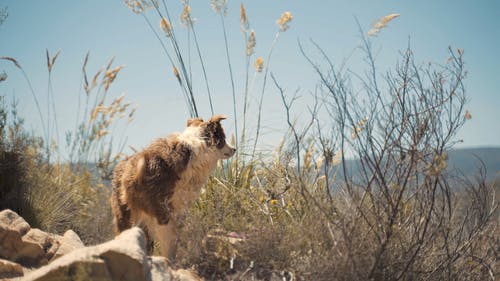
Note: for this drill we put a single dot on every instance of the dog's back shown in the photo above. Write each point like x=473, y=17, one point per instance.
x=146, y=181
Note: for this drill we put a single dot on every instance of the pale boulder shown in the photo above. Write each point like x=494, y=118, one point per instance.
x=121, y=259
x=14, y=221
x=69, y=242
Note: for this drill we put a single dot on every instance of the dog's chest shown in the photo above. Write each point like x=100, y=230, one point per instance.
x=190, y=183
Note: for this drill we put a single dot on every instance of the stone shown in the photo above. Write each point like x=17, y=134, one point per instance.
x=69, y=269
x=185, y=275
x=121, y=259
x=14, y=222
x=10, y=241
x=12, y=228
x=159, y=270
x=34, y=246
x=35, y=235
x=51, y=251
x=126, y=255
x=69, y=242
x=31, y=250
x=10, y=269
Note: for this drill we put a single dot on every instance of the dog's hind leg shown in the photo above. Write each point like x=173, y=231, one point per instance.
x=166, y=235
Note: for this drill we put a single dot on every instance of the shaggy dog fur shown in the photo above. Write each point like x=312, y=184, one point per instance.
x=152, y=187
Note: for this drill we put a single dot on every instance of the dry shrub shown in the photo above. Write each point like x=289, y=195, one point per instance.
x=55, y=190
x=50, y=196
x=293, y=235
x=396, y=213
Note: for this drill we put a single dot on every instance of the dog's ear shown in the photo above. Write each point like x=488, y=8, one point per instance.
x=194, y=122
x=217, y=118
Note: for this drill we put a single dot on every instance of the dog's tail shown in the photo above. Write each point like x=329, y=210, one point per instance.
x=141, y=169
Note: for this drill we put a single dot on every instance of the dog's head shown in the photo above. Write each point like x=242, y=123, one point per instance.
x=212, y=133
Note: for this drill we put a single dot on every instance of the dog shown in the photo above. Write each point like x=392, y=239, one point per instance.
x=154, y=186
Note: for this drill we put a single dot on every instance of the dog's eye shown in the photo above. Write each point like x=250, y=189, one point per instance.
x=214, y=136
x=221, y=143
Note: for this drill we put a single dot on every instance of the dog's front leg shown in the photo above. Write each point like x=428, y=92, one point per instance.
x=166, y=235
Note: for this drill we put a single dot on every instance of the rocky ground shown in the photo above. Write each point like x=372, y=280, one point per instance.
x=31, y=254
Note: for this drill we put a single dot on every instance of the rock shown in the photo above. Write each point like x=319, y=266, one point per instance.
x=9, y=242
x=12, y=228
x=69, y=242
x=30, y=254
x=34, y=246
x=21, y=243
x=126, y=255
x=160, y=271
x=10, y=269
x=120, y=259
x=123, y=258
x=185, y=275
x=88, y=268
x=51, y=251
x=14, y=222
x=31, y=246
x=35, y=235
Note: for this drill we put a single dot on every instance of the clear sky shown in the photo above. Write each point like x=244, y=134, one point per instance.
x=109, y=28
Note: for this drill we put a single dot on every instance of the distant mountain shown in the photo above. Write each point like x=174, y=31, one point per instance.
x=468, y=161
x=464, y=161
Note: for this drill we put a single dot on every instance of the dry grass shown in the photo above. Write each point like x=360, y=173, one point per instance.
x=56, y=190
x=240, y=231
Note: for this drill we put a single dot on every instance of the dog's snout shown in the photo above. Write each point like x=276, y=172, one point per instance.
x=228, y=150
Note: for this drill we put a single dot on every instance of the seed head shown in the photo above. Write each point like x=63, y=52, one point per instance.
x=467, y=115
x=251, y=43
x=101, y=133
x=243, y=14
x=166, y=26
x=381, y=23
x=135, y=6
x=186, y=19
x=284, y=20
x=110, y=76
x=243, y=18
x=176, y=73
x=259, y=64
x=219, y=6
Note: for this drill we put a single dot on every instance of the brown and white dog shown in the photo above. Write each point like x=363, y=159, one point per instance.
x=152, y=187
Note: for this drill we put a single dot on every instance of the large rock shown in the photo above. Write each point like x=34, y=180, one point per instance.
x=123, y=258
x=34, y=246
x=14, y=222
x=184, y=275
x=160, y=271
x=69, y=242
x=21, y=243
x=12, y=228
x=89, y=268
x=10, y=269
x=120, y=259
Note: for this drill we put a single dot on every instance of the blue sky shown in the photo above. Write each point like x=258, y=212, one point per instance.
x=109, y=28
